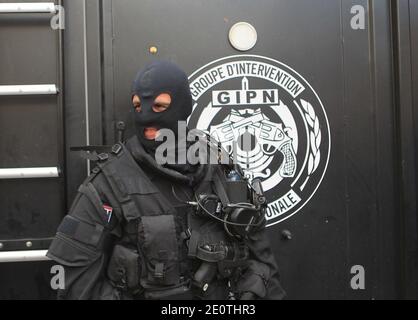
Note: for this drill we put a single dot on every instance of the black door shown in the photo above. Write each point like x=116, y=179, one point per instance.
x=327, y=99
x=348, y=143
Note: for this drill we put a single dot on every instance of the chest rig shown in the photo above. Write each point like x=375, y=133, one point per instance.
x=160, y=234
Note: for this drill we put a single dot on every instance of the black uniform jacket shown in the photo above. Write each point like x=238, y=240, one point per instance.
x=131, y=206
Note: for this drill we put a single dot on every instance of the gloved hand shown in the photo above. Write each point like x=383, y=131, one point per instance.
x=253, y=282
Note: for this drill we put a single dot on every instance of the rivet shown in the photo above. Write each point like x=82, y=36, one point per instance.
x=29, y=244
x=287, y=235
x=153, y=50
x=1, y=246
x=205, y=287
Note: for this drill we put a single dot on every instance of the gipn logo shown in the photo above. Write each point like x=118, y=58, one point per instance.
x=266, y=103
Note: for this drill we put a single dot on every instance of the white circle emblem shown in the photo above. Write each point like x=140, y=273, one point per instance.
x=264, y=101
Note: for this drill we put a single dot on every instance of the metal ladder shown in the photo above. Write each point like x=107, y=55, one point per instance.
x=19, y=90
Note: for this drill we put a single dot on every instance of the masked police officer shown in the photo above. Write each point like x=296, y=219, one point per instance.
x=139, y=229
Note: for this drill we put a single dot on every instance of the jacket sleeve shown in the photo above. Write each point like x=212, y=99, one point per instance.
x=261, y=277
x=82, y=245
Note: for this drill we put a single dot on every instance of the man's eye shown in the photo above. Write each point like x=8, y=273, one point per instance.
x=159, y=107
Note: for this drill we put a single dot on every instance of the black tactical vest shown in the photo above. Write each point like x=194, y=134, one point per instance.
x=171, y=246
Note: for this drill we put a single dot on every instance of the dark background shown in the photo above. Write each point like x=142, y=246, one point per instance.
x=364, y=212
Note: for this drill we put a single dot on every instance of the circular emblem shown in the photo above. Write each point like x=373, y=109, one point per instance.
x=273, y=123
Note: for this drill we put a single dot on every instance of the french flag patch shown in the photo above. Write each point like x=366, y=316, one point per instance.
x=109, y=211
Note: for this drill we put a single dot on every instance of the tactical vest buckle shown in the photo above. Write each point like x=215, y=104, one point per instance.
x=96, y=170
x=159, y=271
x=185, y=235
x=103, y=157
x=116, y=149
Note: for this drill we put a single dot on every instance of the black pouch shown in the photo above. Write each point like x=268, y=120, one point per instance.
x=124, y=269
x=159, y=243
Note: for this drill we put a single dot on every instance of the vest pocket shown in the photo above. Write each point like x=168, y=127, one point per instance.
x=159, y=244
x=124, y=268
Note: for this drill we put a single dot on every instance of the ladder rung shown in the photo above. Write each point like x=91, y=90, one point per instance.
x=37, y=7
x=28, y=173
x=28, y=90
x=23, y=256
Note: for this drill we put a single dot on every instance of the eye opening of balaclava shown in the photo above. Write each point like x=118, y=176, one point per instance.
x=154, y=79
x=159, y=105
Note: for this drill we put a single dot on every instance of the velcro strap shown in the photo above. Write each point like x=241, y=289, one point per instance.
x=193, y=243
x=185, y=235
x=220, y=188
x=82, y=231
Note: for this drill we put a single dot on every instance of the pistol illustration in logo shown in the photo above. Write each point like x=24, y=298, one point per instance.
x=257, y=141
x=273, y=138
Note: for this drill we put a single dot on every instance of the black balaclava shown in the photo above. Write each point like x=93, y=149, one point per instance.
x=156, y=78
